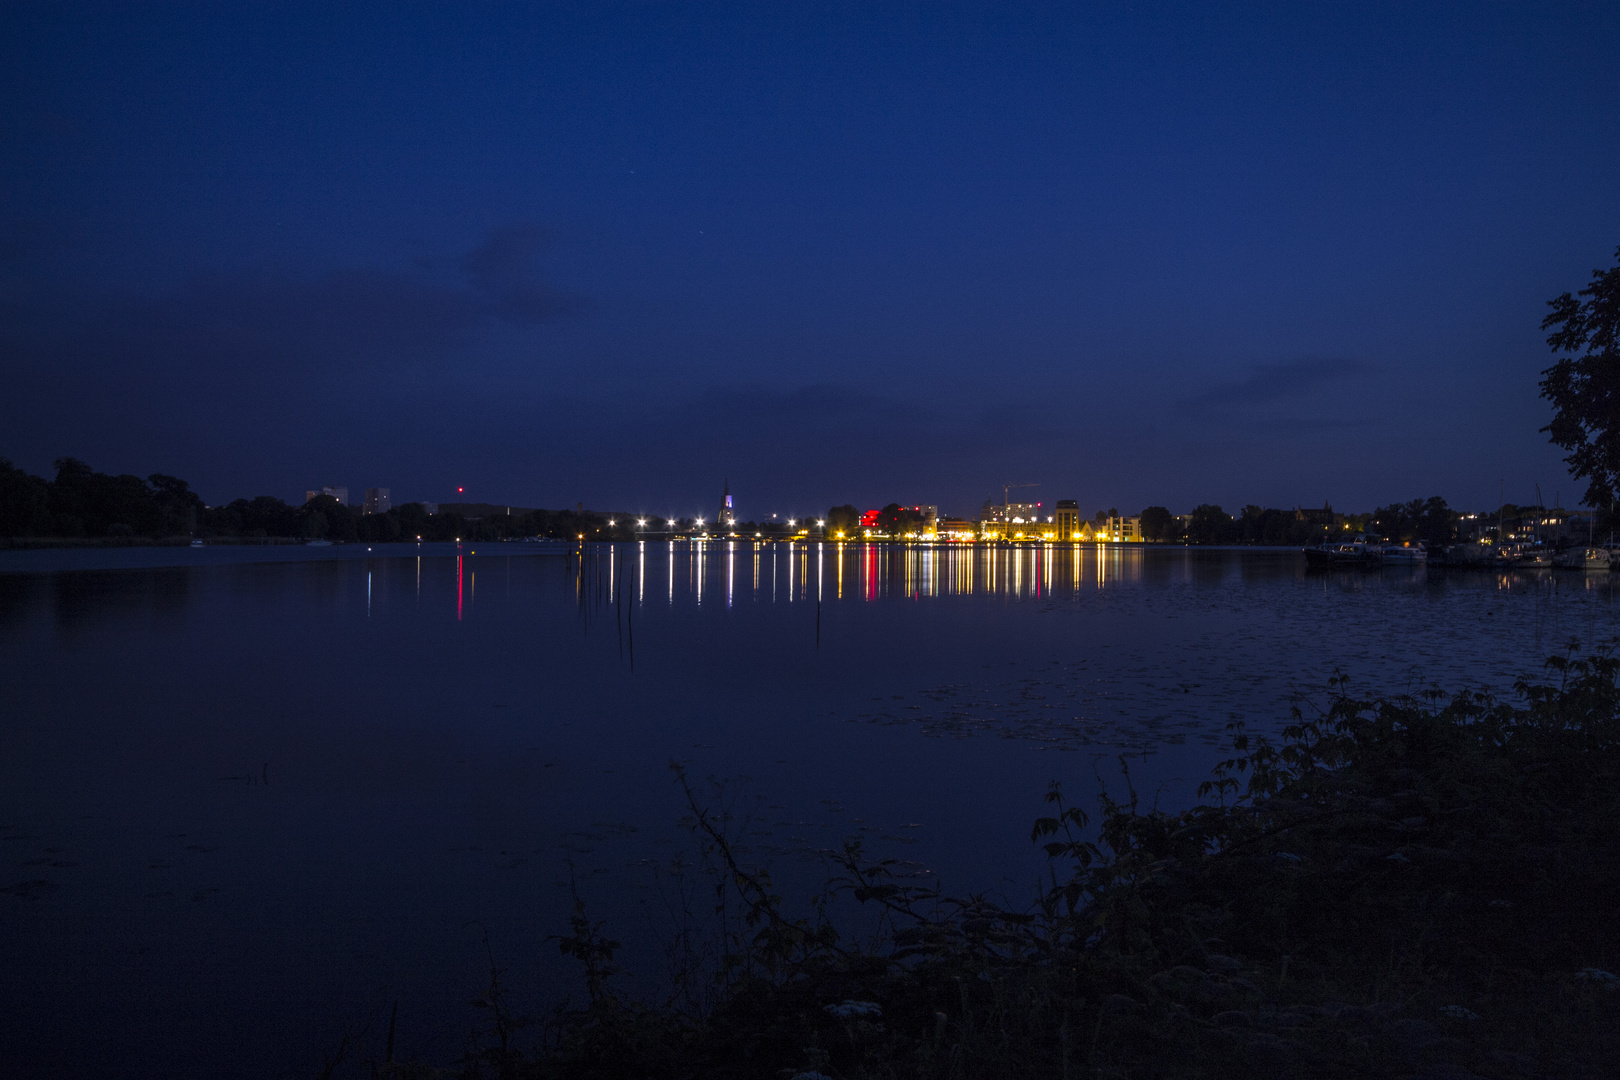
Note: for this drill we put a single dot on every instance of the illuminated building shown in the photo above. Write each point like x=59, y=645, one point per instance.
x=376, y=501
x=727, y=516
x=1068, y=523
x=1120, y=530
x=1009, y=513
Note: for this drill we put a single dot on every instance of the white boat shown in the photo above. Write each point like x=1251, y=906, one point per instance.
x=1583, y=558
x=317, y=543
x=1405, y=555
x=196, y=543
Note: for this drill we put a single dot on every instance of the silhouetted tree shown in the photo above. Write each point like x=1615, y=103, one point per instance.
x=84, y=502
x=1159, y=524
x=1209, y=525
x=182, y=505
x=895, y=519
x=843, y=519
x=25, y=507
x=1584, y=386
x=1428, y=520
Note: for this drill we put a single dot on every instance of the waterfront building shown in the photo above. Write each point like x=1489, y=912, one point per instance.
x=1067, y=520
x=1120, y=530
x=956, y=529
x=1324, y=519
x=376, y=501
x=1010, y=513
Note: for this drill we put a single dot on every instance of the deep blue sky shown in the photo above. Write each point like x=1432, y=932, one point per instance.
x=1147, y=253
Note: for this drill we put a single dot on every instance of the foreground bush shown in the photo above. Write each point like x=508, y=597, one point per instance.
x=1416, y=887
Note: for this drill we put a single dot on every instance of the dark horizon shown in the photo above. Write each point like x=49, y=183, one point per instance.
x=614, y=255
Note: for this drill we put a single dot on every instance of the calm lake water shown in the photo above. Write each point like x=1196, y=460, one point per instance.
x=247, y=805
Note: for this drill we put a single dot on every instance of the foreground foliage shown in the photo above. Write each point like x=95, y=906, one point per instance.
x=1416, y=887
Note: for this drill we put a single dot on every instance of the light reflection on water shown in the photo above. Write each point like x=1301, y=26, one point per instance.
x=790, y=572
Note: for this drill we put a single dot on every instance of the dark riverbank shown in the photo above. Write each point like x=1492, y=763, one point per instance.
x=36, y=543
x=1408, y=888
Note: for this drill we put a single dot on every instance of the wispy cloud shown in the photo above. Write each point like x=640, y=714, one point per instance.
x=1291, y=380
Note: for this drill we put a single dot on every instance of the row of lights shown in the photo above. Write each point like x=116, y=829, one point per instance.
x=641, y=523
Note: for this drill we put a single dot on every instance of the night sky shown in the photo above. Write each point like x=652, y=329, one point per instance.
x=1145, y=253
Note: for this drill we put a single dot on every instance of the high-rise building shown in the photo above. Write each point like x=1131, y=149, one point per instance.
x=376, y=501
x=1068, y=521
x=1013, y=513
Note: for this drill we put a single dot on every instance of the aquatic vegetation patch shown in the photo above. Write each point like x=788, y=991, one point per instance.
x=1408, y=887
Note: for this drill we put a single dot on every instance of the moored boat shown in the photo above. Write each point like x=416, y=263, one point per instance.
x=1533, y=558
x=1405, y=555
x=1583, y=558
x=1343, y=555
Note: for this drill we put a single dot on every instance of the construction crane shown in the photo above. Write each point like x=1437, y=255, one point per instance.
x=1005, y=488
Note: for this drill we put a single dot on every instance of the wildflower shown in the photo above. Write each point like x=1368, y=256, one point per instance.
x=1457, y=1012
x=1397, y=857
x=1599, y=977
x=855, y=1008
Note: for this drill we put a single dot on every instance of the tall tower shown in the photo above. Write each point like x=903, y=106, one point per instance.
x=727, y=517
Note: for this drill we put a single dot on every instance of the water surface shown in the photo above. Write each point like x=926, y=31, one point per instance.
x=247, y=804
